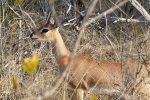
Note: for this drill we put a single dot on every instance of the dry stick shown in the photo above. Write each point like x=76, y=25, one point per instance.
x=91, y=7
x=13, y=11
x=26, y=14
x=140, y=9
x=1, y=45
x=1, y=39
x=106, y=12
x=117, y=19
x=51, y=92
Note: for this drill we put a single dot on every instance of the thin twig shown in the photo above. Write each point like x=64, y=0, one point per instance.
x=28, y=17
x=14, y=11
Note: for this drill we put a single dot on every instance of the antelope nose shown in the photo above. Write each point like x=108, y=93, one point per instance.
x=31, y=35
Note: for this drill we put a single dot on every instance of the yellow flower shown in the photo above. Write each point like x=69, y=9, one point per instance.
x=30, y=64
x=15, y=83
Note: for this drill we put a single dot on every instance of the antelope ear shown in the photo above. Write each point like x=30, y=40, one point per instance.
x=51, y=20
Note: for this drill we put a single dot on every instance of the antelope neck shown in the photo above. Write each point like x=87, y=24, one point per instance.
x=59, y=47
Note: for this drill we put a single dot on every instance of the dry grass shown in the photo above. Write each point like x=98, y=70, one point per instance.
x=116, y=42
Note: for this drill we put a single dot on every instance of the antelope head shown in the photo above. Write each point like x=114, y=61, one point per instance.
x=46, y=32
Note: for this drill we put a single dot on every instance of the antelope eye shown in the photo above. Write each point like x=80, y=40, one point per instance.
x=44, y=30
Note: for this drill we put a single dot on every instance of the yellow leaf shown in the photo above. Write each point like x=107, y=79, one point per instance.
x=93, y=97
x=19, y=2
x=15, y=83
x=30, y=64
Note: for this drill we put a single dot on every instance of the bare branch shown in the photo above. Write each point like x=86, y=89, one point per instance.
x=117, y=19
x=112, y=9
x=140, y=9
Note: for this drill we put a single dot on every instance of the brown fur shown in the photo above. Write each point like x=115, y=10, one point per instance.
x=84, y=71
x=64, y=60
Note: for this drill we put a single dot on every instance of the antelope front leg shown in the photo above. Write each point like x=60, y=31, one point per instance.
x=80, y=94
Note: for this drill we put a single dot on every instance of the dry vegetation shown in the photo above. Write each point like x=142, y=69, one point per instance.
x=102, y=39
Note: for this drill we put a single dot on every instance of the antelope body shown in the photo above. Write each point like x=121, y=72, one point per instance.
x=84, y=72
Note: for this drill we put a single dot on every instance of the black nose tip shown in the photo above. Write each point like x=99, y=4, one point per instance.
x=31, y=35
